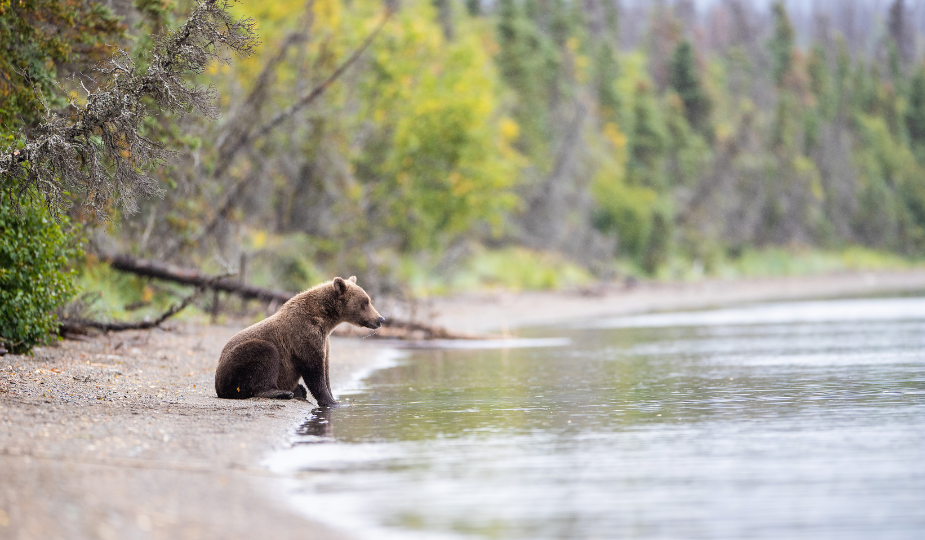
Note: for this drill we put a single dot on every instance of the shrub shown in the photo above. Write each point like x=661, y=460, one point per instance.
x=34, y=277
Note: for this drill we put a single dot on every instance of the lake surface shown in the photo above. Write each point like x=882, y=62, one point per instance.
x=790, y=420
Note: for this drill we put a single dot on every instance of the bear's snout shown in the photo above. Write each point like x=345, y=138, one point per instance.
x=377, y=324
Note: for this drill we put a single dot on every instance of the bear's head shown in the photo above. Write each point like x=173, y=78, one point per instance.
x=357, y=307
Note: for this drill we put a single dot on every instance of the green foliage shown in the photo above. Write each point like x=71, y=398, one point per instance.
x=608, y=70
x=626, y=212
x=112, y=295
x=34, y=277
x=890, y=198
x=915, y=113
x=40, y=39
x=685, y=80
x=466, y=127
x=647, y=140
x=532, y=113
x=437, y=161
x=529, y=61
x=689, y=153
x=781, y=44
x=282, y=262
x=779, y=261
x=519, y=268
x=508, y=269
x=634, y=214
x=820, y=81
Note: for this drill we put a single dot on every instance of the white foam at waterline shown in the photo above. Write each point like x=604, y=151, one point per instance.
x=385, y=359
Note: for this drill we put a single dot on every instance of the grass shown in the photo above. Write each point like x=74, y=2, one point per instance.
x=510, y=269
x=784, y=262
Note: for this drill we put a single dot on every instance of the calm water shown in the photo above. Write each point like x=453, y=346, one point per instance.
x=778, y=421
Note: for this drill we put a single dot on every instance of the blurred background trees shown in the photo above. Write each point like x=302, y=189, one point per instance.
x=474, y=141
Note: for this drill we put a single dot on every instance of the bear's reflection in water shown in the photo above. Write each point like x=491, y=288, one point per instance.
x=318, y=428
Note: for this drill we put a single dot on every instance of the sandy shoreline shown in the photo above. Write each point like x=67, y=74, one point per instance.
x=494, y=313
x=122, y=436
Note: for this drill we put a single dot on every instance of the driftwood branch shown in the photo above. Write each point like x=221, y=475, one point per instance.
x=190, y=276
x=79, y=326
x=402, y=329
x=393, y=328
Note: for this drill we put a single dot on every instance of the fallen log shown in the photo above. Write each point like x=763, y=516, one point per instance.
x=191, y=276
x=80, y=326
x=394, y=328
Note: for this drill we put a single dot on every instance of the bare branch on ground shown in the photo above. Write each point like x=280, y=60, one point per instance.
x=79, y=326
x=394, y=328
x=191, y=276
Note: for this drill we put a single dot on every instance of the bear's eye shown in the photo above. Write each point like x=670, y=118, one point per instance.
x=365, y=302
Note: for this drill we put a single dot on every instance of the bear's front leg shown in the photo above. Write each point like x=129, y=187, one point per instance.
x=314, y=377
x=327, y=365
x=320, y=392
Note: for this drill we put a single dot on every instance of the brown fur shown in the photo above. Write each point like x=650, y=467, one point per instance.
x=268, y=358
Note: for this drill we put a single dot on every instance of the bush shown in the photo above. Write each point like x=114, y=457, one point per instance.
x=34, y=278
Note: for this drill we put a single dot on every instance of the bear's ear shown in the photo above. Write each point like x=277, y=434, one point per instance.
x=352, y=279
x=340, y=286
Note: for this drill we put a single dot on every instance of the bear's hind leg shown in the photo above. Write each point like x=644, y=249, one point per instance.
x=249, y=369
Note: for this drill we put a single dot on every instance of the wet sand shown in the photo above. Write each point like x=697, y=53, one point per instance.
x=122, y=436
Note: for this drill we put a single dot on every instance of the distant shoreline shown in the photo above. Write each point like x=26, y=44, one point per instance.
x=504, y=311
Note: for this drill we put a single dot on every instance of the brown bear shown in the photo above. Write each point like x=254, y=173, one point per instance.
x=267, y=359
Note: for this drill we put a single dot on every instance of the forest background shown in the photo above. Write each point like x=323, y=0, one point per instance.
x=476, y=144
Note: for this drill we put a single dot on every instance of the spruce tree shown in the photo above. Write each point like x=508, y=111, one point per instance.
x=648, y=140
x=608, y=70
x=781, y=45
x=683, y=78
x=915, y=114
x=898, y=27
x=529, y=63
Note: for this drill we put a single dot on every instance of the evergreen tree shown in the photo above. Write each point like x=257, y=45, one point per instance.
x=817, y=67
x=607, y=72
x=842, y=75
x=898, y=27
x=43, y=42
x=686, y=82
x=648, y=140
x=915, y=113
x=781, y=45
x=529, y=62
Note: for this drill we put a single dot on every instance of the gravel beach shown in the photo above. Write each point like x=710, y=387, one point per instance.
x=121, y=436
